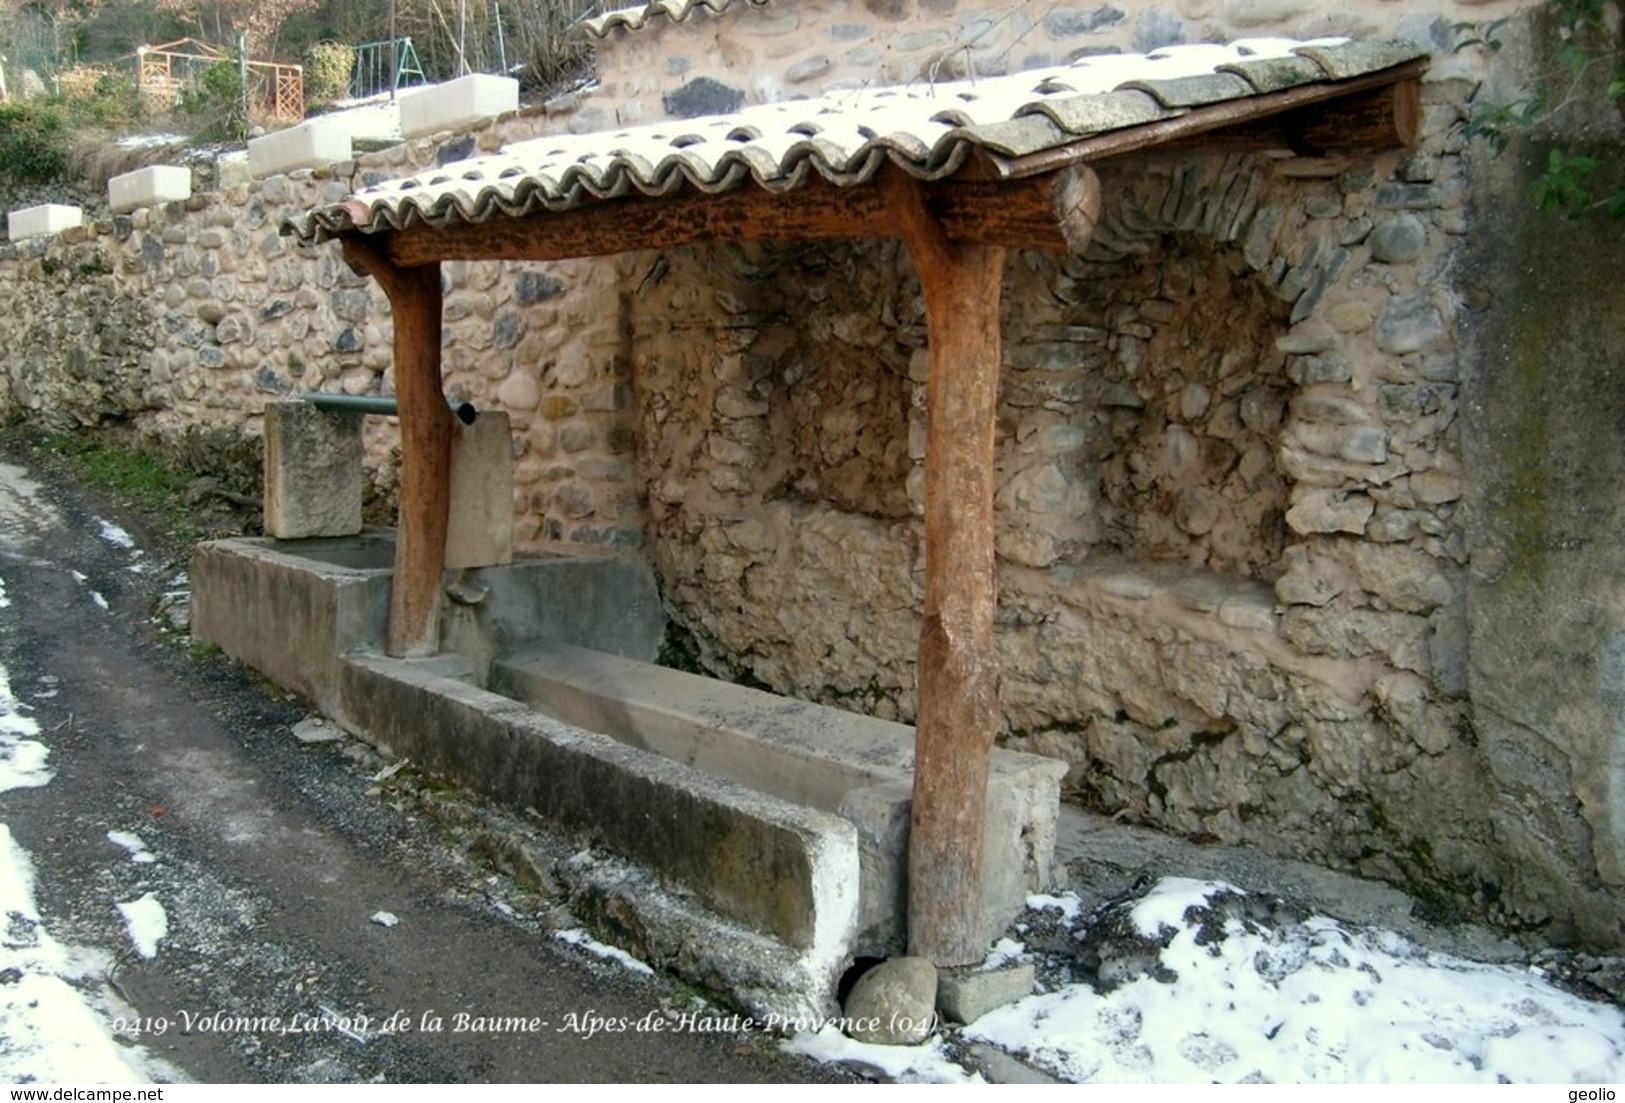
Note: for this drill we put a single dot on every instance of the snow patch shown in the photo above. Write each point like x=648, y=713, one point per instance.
x=575, y=936
x=926, y=1063
x=1311, y=1002
x=1067, y=903
x=1165, y=905
x=22, y=760
x=131, y=842
x=1005, y=951
x=147, y=923
x=51, y=1034
x=113, y=534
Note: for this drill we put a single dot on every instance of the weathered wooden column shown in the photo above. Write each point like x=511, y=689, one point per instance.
x=958, y=675
x=958, y=666
x=426, y=430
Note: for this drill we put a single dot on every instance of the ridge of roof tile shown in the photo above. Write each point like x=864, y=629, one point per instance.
x=677, y=11
x=928, y=130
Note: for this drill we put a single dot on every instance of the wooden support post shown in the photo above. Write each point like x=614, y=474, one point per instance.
x=426, y=430
x=958, y=675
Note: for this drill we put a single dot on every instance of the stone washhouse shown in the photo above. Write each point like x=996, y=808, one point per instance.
x=1166, y=403
x=961, y=173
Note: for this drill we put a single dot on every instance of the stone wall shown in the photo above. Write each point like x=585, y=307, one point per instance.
x=1254, y=561
x=1231, y=561
x=765, y=52
x=191, y=316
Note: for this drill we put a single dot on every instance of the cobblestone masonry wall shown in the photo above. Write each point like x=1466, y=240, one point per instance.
x=1231, y=520
x=793, y=49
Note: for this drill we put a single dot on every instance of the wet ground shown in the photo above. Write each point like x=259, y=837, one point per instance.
x=273, y=856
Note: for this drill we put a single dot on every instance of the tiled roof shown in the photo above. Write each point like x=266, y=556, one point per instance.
x=844, y=137
x=676, y=10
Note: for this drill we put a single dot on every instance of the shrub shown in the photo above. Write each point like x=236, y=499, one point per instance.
x=33, y=140
x=327, y=73
x=216, y=102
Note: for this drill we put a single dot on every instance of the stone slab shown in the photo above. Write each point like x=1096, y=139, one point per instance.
x=47, y=218
x=785, y=870
x=289, y=610
x=826, y=758
x=371, y=122
x=308, y=145
x=314, y=471
x=965, y=995
x=607, y=603
x=147, y=187
x=457, y=103
x=480, y=529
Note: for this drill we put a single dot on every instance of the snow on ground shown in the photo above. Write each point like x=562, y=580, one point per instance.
x=22, y=760
x=927, y=1063
x=147, y=923
x=150, y=141
x=49, y=1031
x=1304, y=1002
x=575, y=936
x=132, y=842
x=114, y=535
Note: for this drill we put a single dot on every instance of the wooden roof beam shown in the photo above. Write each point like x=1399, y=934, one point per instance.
x=1053, y=212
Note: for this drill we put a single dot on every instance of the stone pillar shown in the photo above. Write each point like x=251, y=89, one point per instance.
x=313, y=471
x=479, y=531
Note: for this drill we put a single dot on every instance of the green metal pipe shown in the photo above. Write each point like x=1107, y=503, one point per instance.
x=379, y=404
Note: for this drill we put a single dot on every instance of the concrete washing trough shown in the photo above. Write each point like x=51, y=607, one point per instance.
x=759, y=842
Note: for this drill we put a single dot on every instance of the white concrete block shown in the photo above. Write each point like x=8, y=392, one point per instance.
x=305, y=146
x=48, y=218
x=148, y=187
x=375, y=122
x=457, y=103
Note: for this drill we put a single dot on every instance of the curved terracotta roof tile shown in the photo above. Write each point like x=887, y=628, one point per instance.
x=927, y=130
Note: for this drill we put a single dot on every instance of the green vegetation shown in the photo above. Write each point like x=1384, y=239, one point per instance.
x=1583, y=72
x=215, y=104
x=33, y=140
x=133, y=476
x=327, y=73
x=38, y=136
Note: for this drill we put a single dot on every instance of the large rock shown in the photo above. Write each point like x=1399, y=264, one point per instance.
x=894, y=1004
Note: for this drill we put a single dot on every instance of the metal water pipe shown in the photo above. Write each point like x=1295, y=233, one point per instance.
x=382, y=405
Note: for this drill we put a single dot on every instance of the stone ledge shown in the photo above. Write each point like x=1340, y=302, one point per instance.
x=781, y=869
x=47, y=218
x=810, y=754
x=306, y=146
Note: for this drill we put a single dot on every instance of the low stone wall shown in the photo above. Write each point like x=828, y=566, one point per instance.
x=191, y=316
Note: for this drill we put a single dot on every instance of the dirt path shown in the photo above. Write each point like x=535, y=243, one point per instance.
x=273, y=856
